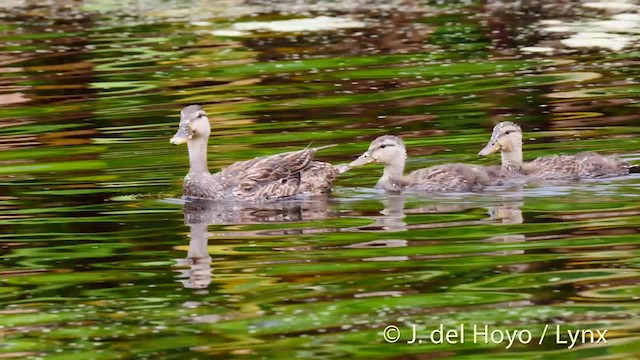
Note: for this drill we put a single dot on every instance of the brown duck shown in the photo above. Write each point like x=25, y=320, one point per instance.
x=263, y=178
x=390, y=151
x=507, y=138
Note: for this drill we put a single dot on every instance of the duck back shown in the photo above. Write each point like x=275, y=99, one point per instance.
x=265, y=178
x=317, y=178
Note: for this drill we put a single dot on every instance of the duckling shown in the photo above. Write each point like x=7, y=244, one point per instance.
x=390, y=151
x=507, y=138
x=260, y=179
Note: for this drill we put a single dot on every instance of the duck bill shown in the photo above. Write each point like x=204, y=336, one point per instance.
x=363, y=159
x=182, y=136
x=343, y=168
x=491, y=147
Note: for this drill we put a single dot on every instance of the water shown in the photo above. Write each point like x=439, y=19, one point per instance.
x=101, y=259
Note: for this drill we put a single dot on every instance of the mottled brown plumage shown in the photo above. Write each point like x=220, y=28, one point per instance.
x=389, y=151
x=507, y=138
x=261, y=179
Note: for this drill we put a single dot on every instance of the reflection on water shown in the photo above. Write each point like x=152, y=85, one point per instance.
x=198, y=261
x=198, y=215
x=95, y=264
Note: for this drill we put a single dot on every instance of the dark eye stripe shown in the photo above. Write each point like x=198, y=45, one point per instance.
x=385, y=145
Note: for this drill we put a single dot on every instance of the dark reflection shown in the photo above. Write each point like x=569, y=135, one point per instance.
x=199, y=214
x=228, y=213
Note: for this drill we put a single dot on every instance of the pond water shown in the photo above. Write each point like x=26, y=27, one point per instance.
x=100, y=258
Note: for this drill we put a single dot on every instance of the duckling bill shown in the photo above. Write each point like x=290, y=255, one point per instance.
x=263, y=178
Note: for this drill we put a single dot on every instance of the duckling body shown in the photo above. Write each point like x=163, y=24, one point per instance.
x=389, y=151
x=575, y=167
x=507, y=138
x=449, y=178
x=263, y=178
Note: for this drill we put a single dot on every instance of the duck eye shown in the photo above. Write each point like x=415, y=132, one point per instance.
x=508, y=132
x=383, y=146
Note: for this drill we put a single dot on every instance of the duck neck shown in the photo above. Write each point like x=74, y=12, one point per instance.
x=393, y=176
x=198, y=156
x=512, y=159
x=393, y=172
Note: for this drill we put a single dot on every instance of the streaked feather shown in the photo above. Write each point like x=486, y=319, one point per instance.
x=266, y=178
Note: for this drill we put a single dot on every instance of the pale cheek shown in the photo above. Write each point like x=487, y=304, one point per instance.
x=382, y=158
x=198, y=131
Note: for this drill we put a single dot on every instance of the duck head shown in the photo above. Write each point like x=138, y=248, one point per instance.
x=386, y=150
x=194, y=125
x=506, y=137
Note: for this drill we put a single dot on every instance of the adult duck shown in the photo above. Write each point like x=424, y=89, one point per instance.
x=263, y=178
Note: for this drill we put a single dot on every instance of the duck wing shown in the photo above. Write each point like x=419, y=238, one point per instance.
x=268, y=177
x=317, y=178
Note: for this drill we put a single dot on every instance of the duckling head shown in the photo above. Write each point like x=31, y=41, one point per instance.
x=194, y=124
x=386, y=150
x=506, y=137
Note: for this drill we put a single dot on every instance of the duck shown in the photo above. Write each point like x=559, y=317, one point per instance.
x=389, y=151
x=507, y=138
x=265, y=178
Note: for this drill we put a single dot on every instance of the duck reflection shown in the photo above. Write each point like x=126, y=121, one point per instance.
x=198, y=275
x=199, y=214
x=508, y=212
x=196, y=269
x=233, y=213
x=394, y=211
x=392, y=214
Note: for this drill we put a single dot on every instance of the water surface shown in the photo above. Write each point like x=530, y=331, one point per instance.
x=101, y=259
